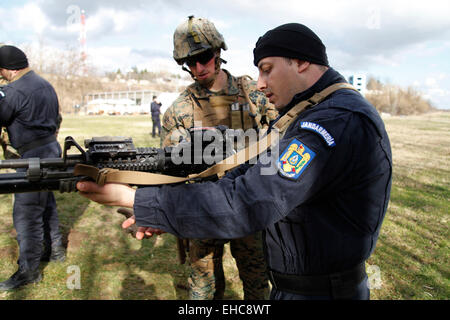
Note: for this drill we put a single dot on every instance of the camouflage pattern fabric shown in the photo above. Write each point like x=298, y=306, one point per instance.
x=8, y=151
x=195, y=36
x=207, y=280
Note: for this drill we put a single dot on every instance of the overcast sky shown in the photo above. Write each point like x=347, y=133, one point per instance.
x=402, y=42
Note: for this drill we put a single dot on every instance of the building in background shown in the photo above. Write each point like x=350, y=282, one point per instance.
x=124, y=102
x=359, y=81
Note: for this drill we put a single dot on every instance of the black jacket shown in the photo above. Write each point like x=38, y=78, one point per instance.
x=28, y=109
x=155, y=109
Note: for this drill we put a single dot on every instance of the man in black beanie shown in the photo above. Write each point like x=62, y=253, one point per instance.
x=12, y=58
x=321, y=206
x=342, y=198
x=29, y=110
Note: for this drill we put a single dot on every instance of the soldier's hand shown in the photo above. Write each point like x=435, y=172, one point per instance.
x=128, y=213
x=112, y=194
x=142, y=232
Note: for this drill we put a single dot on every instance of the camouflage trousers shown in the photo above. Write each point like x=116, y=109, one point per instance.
x=8, y=151
x=207, y=279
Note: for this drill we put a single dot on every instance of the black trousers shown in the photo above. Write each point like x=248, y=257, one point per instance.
x=156, y=124
x=35, y=216
x=361, y=292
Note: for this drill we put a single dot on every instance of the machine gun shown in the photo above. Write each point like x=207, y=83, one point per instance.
x=35, y=174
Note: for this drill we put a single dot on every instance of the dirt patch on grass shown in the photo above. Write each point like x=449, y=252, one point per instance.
x=75, y=239
x=8, y=252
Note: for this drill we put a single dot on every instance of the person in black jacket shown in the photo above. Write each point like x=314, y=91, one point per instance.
x=155, y=109
x=29, y=110
x=320, y=200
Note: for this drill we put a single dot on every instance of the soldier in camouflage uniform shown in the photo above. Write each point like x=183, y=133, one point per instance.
x=216, y=98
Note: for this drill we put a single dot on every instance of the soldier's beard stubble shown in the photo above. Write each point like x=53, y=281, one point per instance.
x=209, y=82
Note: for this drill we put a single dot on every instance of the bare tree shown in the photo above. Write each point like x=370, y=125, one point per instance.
x=395, y=100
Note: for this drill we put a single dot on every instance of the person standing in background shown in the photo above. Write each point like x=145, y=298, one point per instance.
x=155, y=109
x=29, y=110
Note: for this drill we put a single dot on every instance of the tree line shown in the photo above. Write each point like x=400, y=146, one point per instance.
x=392, y=99
x=73, y=77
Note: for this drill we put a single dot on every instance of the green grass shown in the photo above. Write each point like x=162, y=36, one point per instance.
x=413, y=248
x=412, y=252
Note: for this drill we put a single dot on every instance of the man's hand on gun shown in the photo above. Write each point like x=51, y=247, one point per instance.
x=111, y=194
x=141, y=232
x=115, y=194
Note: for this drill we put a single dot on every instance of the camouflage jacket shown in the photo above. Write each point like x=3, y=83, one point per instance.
x=180, y=115
x=8, y=151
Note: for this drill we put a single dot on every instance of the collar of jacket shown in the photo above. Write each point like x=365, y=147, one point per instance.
x=330, y=77
x=231, y=89
x=20, y=74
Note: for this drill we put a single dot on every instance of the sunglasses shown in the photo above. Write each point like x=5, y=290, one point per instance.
x=202, y=58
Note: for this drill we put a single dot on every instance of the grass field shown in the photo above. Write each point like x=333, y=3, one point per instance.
x=411, y=260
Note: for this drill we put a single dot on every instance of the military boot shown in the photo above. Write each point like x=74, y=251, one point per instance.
x=58, y=253
x=46, y=251
x=54, y=253
x=20, y=278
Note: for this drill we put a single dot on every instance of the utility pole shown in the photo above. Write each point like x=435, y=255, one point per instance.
x=83, y=41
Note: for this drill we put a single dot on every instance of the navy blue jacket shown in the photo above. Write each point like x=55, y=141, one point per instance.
x=28, y=109
x=321, y=208
x=155, y=109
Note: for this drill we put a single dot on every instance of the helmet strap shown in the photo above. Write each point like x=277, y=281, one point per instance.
x=196, y=80
x=188, y=71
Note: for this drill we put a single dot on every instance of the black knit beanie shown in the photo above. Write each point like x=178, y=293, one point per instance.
x=292, y=40
x=12, y=58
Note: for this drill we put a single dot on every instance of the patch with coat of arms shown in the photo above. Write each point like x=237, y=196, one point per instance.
x=294, y=159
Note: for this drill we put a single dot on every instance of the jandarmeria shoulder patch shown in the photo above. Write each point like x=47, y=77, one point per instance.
x=311, y=126
x=294, y=159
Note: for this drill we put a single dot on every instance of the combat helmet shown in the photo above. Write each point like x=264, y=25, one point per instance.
x=195, y=36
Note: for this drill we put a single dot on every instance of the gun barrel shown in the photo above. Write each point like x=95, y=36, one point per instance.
x=24, y=185
x=47, y=180
x=24, y=163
